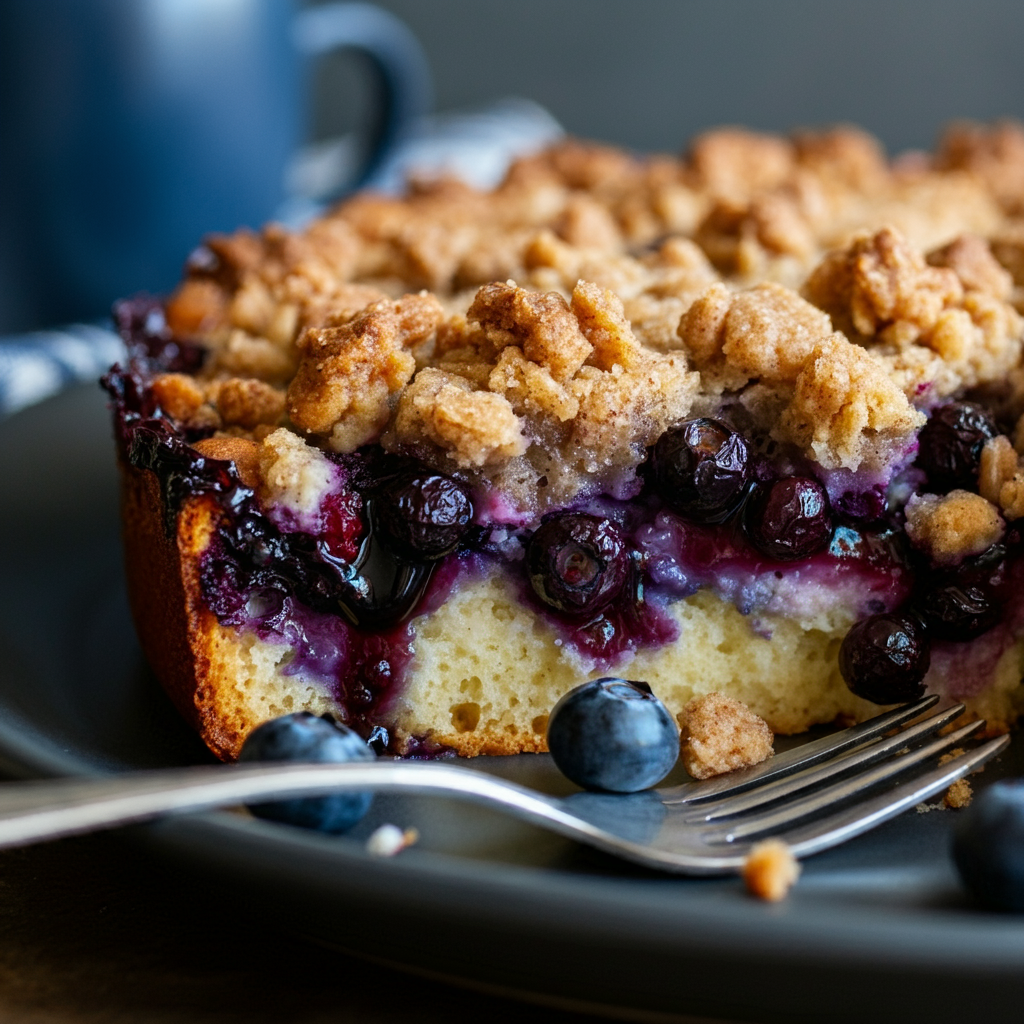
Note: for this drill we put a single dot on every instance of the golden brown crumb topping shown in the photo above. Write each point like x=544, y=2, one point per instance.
x=1001, y=477
x=594, y=298
x=951, y=527
x=720, y=734
x=347, y=374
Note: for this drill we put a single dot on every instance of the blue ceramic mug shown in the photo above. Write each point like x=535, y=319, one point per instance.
x=130, y=128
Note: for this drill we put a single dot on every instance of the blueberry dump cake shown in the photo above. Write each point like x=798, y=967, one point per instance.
x=745, y=422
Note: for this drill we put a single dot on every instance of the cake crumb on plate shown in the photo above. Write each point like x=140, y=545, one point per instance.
x=770, y=870
x=720, y=734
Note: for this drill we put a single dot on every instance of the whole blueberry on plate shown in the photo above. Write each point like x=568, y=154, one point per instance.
x=950, y=445
x=425, y=515
x=701, y=469
x=789, y=518
x=884, y=658
x=304, y=737
x=613, y=735
x=988, y=846
x=577, y=563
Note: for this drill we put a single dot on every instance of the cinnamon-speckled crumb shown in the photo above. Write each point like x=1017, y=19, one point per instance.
x=951, y=527
x=1001, y=477
x=770, y=870
x=958, y=795
x=720, y=734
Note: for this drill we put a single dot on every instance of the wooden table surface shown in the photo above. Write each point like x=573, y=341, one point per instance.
x=92, y=931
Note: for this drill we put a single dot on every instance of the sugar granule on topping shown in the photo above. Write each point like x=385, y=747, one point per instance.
x=770, y=870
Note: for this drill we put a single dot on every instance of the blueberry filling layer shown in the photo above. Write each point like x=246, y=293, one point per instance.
x=393, y=537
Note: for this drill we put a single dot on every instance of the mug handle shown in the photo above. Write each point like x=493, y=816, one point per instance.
x=395, y=54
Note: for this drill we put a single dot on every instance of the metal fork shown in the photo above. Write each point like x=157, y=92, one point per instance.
x=815, y=796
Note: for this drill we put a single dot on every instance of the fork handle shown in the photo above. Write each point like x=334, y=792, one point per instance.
x=35, y=811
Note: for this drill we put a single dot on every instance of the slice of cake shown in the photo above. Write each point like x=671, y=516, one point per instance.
x=433, y=461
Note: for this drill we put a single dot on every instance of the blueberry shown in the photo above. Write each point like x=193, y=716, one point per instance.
x=950, y=445
x=988, y=846
x=788, y=518
x=614, y=735
x=959, y=613
x=884, y=658
x=424, y=515
x=577, y=563
x=304, y=737
x=701, y=470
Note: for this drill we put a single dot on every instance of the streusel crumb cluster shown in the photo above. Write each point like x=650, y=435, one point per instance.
x=537, y=339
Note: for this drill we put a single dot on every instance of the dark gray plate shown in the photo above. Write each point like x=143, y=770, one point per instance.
x=879, y=929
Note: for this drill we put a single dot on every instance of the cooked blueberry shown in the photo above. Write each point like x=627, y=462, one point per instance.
x=577, y=563
x=884, y=658
x=950, y=445
x=987, y=571
x=614, y=735
x=988, y=846
x=425, y=515
x=701, y=469
x=789, y=518
x=954, y=612
x=304, y=737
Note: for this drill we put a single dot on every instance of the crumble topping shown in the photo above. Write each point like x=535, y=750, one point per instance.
x=933, y=329
x=245, y=454
x=994, y=153
x=529, y=386
x=247, y=402
x=293, y=474
x=721, y=734
x=1001, y=477
x=179, y=395
x=347, y=374
x=951, y=527
x=846, y=411
x=636, y=292
x=770, y=870
x=837, y=401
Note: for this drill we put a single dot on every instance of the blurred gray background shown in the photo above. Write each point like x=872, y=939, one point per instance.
x=650, y=73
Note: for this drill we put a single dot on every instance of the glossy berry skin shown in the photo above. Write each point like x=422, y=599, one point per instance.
x=988, y=846
x=788, y=519
x=884, y=658
x=950, y=445
x=577, y=563
x=425, y=515
x=613, y=735
x=958, y=613
x=701, y=470
x=304, y=737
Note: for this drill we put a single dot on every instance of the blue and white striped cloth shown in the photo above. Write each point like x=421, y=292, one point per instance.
x=478, y=146
x=37, y=365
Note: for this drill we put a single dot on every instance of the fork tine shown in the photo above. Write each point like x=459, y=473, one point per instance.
x=787, y=814
x=874, y=750
x=865, y=815
x=804, y=756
